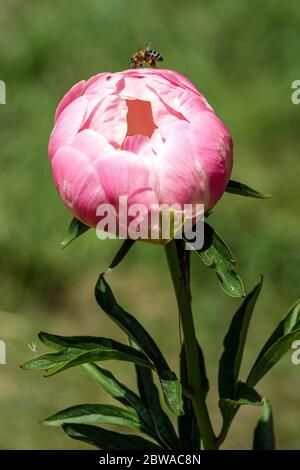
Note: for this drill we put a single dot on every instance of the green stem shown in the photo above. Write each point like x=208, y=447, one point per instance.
x=178, y=262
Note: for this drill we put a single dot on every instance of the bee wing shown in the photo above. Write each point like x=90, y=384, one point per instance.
x=147, y=46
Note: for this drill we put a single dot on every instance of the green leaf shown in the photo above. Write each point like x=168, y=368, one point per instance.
x=264, y=437
x=170, y=384
x=161, y=423
x=172, y=392
x=77, y=350
x=217, y=256
x=235, y=187
x=279, y=343
x=244, y=395
x=234, y=344
x=90, y=413
x=76, y=228
x=108, y=440
x=122, y=252
x=120, y=392
x=189, y=433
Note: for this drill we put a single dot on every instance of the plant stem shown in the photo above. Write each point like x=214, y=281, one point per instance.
x=178, y=261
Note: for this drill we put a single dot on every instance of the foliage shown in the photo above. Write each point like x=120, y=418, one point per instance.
x=143, y=412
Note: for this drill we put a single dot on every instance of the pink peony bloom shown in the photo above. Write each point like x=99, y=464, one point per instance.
x=147, y=134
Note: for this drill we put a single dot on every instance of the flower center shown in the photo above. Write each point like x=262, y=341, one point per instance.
x=140, y=118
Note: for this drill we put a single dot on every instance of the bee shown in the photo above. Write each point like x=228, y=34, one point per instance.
x=145, y=55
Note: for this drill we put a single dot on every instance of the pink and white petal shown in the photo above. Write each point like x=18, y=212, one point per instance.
x=178, y=98
x=213, y=149
x=165, y=106
x=164, y=76
x=125, y=174
x=214, y=168
x=135, y=89
x=103, y=84
x=209, y=132
x=138, y=144
x=93, y=102
x=93, y=145
x=75, y=92
x=67, y=125
x=109, y=120
x=164, y=132
x=181, y=178
x=192, y=105
x=168, y=93
x=78, y=184
x=175, y=78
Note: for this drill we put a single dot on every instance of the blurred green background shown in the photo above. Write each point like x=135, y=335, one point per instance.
x=243, y=56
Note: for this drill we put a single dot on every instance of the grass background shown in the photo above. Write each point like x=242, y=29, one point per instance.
x=243, y=56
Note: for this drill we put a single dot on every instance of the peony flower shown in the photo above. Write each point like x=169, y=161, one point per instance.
x=147, y=134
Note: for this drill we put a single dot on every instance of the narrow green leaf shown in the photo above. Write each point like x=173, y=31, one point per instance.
x=108, y=440
x=161, y=423
x=163, y=427
x=272, y=356
x=235, y=187
x=77, y=350
x=76, y=228
x=264, y=437
x=57, y=362
x=189, y=433
x=119, y=391
x=277, y=345
x=234, y=343
x=122, y=252
x=46, y=361
x=93, y=413
x=230, y=362
x=170, y=384
x=244, y=395
x=290, y=323
x=85, y=343
x=217, y=256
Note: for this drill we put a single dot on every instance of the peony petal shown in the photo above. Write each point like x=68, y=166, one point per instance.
x=103, y=84
x=213, y=147
x=182, y=180
x=175, y=78
x=92, y=145
x=163, y=75
x=109, y=119
x=192, y=105
x=126, y=174
x=165, y=107
x=68, y=124
x=138, y=144
x=78, y=184
x=75, y=92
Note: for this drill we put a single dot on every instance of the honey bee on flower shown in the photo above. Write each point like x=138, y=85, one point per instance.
x=145, y=55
